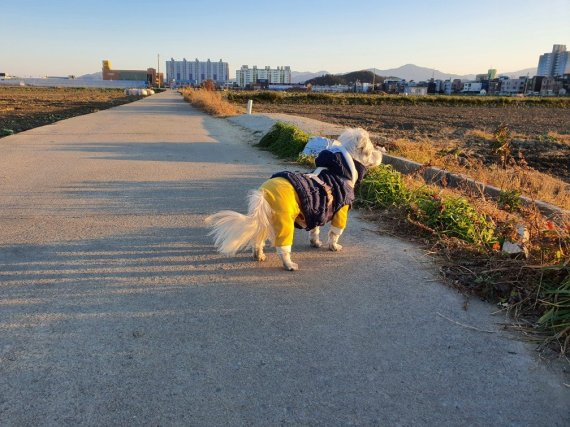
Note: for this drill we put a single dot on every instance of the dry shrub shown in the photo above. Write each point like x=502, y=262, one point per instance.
x=420, y=151
x=209, y=101
x=528, y=181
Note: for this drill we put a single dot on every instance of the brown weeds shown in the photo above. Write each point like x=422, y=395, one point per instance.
x=211, y=102
x=516, y=176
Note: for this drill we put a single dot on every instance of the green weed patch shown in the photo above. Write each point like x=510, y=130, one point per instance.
x=284, y=140
x=382, y=188
x=452, y=217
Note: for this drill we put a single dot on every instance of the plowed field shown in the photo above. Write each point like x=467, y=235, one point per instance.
x=23, y=108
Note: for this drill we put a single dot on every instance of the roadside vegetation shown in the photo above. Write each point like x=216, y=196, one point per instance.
x=274, y=97
x=502, y=168
x=209, y=100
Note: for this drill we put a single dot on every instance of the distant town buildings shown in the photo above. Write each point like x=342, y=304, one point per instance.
x=195, y=72
x=251, y=76
x=552, y=79
x=555, y=63
x=150, y=76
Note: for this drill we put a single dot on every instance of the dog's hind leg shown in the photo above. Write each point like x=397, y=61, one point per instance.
x=314, y=237
x=257, y=249
x=258, y=253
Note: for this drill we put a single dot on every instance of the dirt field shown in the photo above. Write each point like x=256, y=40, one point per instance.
x=23, y=108
x=446, y=126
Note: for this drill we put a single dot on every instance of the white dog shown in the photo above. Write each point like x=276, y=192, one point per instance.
x=308, y=201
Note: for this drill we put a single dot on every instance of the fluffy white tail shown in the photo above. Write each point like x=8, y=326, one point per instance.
x=233, y=231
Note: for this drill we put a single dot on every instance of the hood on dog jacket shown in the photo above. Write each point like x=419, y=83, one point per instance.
x=313, y=196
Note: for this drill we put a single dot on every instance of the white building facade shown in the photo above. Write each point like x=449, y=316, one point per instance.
x=514, y=86
x=555, y=63
x=195, y=72
x=279, y=75
x=472, y=87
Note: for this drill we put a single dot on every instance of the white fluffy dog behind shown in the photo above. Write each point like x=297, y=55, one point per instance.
x=281, y=203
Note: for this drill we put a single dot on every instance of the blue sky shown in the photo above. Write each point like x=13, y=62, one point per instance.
x=61, y=37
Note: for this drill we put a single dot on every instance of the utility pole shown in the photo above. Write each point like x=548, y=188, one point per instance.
x=158, y=71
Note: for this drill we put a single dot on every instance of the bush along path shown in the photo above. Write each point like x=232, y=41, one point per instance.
x=503, y=252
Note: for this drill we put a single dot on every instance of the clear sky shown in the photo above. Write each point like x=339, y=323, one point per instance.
x=61, y=37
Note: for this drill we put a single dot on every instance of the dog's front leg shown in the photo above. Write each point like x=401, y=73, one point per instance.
x=284, y=253
x=314, y=237
x=334, y=234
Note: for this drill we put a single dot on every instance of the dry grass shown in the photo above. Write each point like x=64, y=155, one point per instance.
x=480, y=134
x=529, y=182
x=211, y=102
x=564, y=139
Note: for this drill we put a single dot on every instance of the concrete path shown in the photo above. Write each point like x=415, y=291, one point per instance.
x=115, y=309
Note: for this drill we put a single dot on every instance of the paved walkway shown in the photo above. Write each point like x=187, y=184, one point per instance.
x=115, y=309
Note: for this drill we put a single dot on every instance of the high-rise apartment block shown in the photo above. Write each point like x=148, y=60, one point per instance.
x=279, y=75
x=195, y=72
x=556, y=63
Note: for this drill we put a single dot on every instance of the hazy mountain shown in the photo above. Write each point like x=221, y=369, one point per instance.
x=416, y=73
x=94, y=76
x=303, y=76
x=413, y=72
x=516, y=74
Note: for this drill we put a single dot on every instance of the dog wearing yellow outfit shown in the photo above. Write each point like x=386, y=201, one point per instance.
x=307, y=201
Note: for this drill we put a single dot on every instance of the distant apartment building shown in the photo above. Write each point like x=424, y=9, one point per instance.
x=452, y=86
x=555, y=63
x=514, y=86
x=249, y=76
x=551, y=86
x=472, y=87
x=195, y=72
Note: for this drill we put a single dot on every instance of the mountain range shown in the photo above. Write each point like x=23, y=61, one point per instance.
x=412, y=72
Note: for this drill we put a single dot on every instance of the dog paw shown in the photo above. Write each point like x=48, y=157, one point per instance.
x=316, y=243
x=259, y=255
x=335, y=247
x=292, y=266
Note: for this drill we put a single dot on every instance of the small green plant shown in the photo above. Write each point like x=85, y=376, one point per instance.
x=453, y=217
x=284, y=140
x=510, y=200
x=307, y=160
x=382, y=187
x=556, y=301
